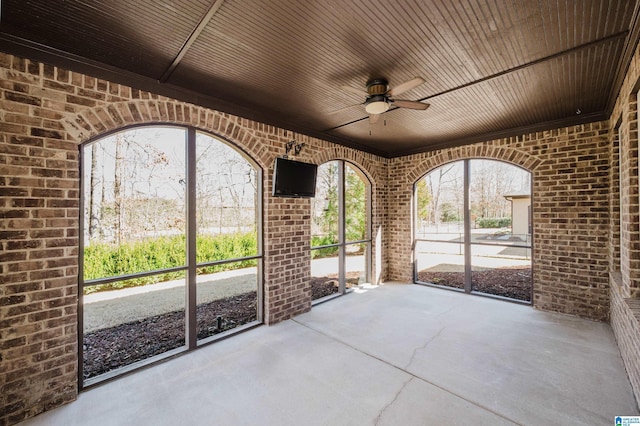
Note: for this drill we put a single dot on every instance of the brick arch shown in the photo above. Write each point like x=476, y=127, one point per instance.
x=357, y=158
x=505, y=154
x=94, y=122
x=369, y=165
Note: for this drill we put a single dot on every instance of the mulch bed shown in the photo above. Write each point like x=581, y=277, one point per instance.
x=514, y=283
x=110, y=348
x=325, y=286
x=321, y=287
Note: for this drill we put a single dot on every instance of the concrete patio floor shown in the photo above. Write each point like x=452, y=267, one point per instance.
x=397, y=354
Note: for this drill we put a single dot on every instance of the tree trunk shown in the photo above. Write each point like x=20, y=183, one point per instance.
x=93, y=183
x=117, y=188
x=102, y=200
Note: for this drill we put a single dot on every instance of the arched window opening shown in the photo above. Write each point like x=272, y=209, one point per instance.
x=171, y=252
x=473, y=229
x=340, y=234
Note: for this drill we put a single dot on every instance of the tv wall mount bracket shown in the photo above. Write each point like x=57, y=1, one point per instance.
x=297, y=148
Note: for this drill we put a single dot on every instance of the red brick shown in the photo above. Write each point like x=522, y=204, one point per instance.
x=22, y=98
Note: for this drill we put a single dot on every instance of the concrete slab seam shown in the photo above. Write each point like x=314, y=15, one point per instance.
x=406, y=372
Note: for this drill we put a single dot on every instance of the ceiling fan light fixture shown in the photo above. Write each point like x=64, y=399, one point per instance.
x=377, y=104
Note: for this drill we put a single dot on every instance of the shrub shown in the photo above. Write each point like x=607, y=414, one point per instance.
x=323, y=240
x=107, y=260
x=493, y=222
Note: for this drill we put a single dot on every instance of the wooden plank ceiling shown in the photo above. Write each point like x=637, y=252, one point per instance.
x=491, y=68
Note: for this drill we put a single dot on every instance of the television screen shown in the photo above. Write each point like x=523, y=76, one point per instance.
x=294, y=179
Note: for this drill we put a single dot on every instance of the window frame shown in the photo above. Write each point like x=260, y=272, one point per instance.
x=191, y=265
x=342, y=244
x=467, y=244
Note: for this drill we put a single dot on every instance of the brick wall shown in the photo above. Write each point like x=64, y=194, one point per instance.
x=287, y=236
x=614, y=202
x=570, y=169
x=39, y=239
x=625, y=213
x=45, y=113
x=625, y=320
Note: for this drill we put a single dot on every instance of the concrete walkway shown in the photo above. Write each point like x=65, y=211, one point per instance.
x=397, y=354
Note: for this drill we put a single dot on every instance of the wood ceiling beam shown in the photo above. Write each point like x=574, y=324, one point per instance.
x=566, y=52
x=191, y=39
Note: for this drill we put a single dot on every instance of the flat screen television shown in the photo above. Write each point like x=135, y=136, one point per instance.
x=294, y=178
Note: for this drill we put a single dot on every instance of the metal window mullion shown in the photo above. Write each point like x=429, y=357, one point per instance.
x=620, y=205
x=414, y=229
x=325, y=246
x=190, y=288
x=81, y=272
x=467, y=229
x=341, y=228
x=108, y=280
x=225, y=261
x=530, y=236
x=337, y=244
x=368, y=260
x=476, y=243
x=358, y=242
x=428, y=240
x=258, y=217
x=414, y=262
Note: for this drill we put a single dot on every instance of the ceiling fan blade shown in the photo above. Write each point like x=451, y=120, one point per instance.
x=373, y=118
x=358, y=92
x=407, y=85
x=410, y=104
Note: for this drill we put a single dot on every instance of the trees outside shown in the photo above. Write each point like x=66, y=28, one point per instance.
x=93, y=212
x=325, y=205
x=133, y=189
x=439, y=197
x=490, y=182
x=355, y=205
x=440, y=193
x=226, y=187
x=449, y=213
x=136, y=183
x=330, y=275
x=423, y=201
x=443, y=184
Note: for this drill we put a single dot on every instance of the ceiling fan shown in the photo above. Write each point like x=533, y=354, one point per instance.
x=379, y=97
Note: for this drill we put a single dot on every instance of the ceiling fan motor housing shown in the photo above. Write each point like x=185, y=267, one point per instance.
x=377, y=86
